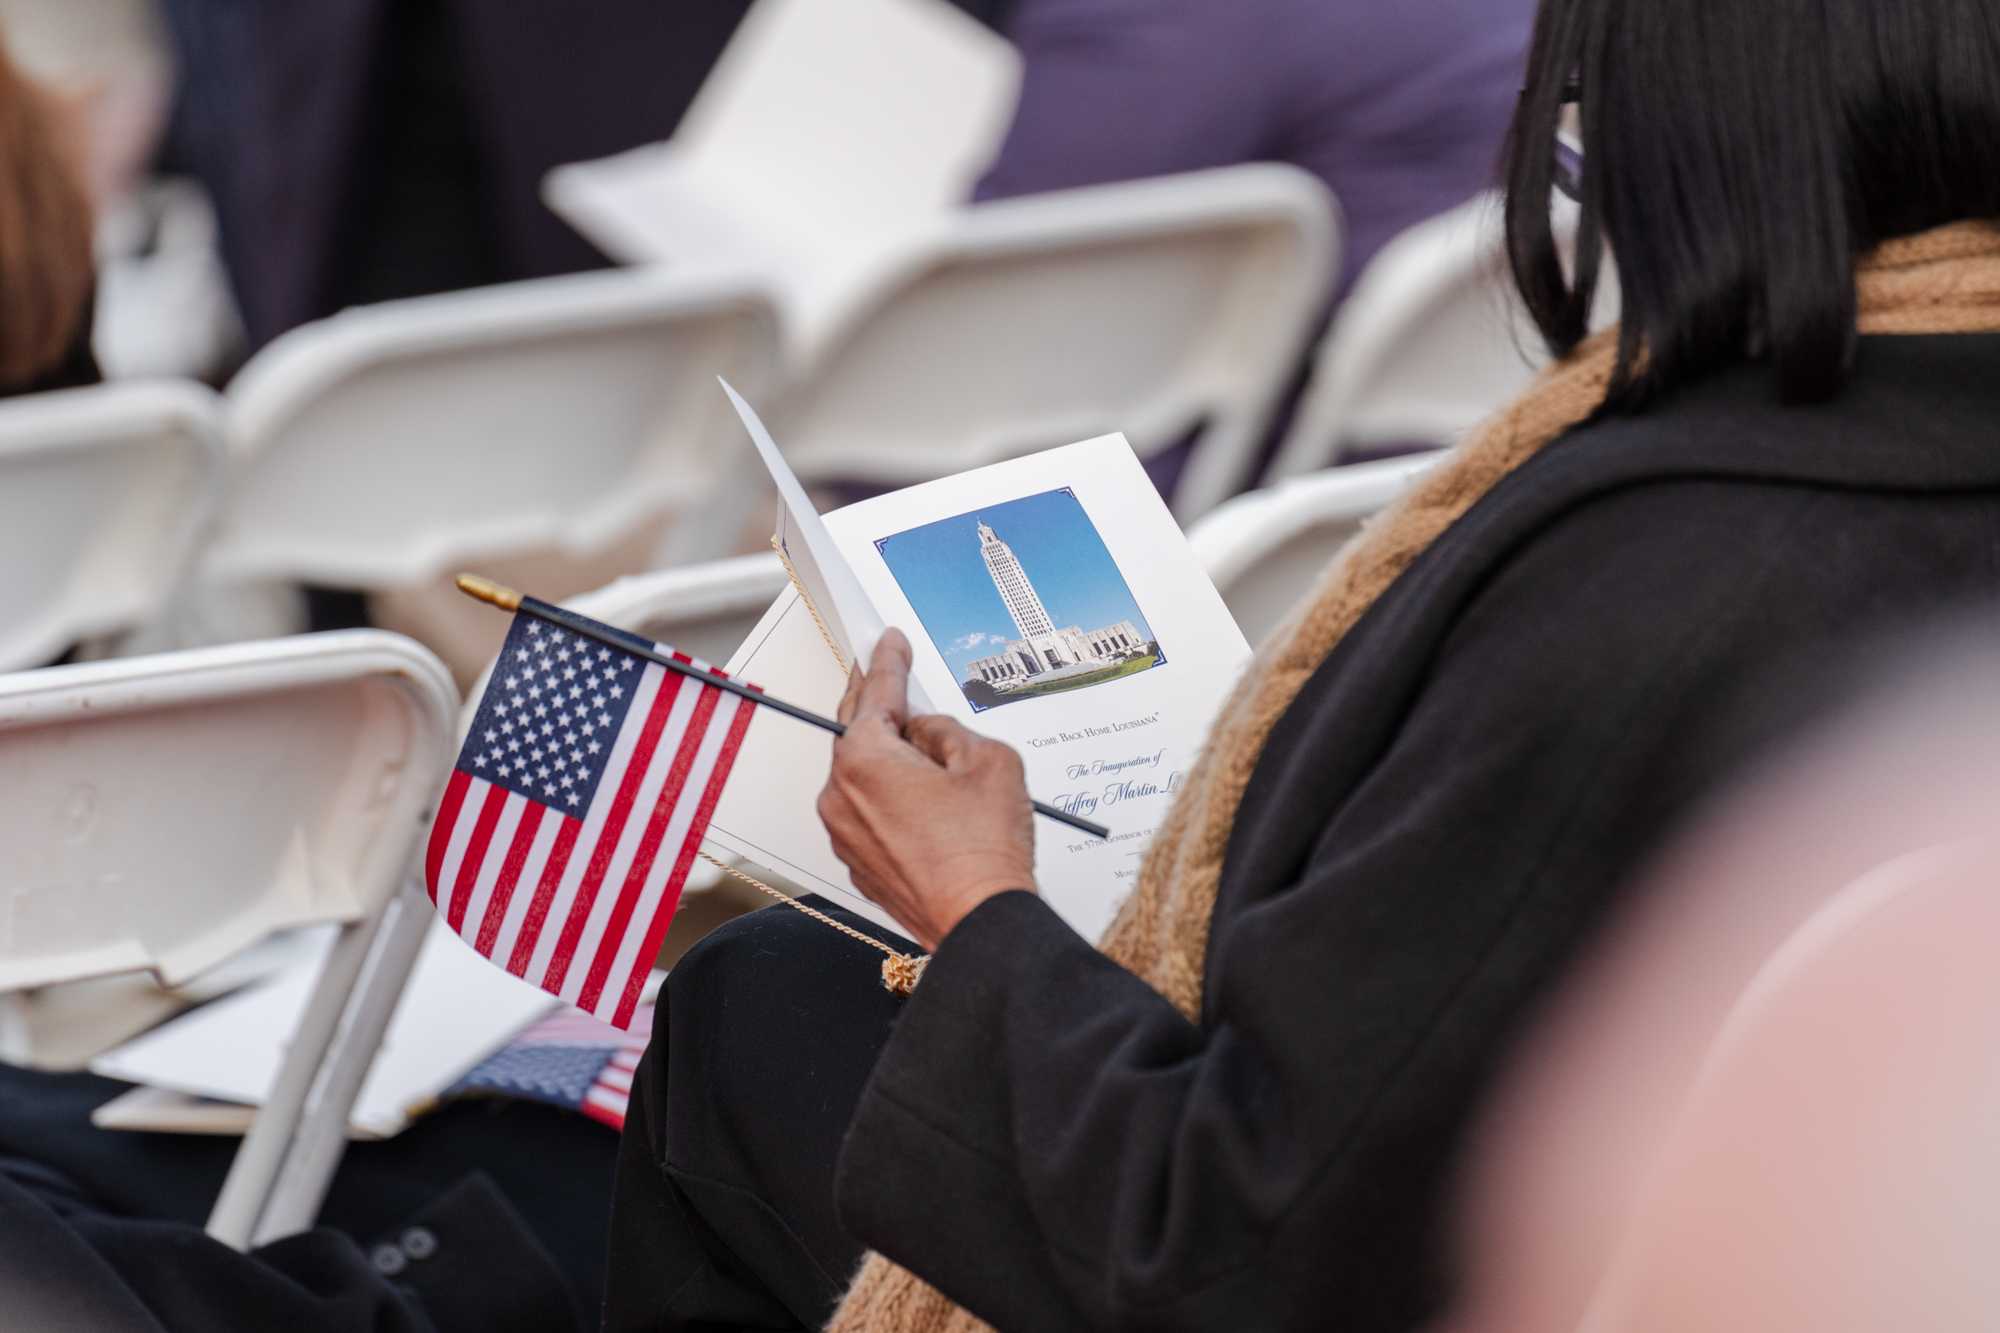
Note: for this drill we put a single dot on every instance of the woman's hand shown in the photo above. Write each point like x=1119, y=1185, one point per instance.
x=930, y=819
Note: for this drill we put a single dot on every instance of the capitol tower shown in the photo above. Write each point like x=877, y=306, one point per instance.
x=1030, y=617
x=1043, y=652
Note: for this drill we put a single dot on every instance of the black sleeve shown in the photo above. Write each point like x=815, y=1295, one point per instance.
x=1053, y=1145
x=466, y=1262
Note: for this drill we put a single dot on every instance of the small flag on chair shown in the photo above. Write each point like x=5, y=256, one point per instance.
x=568, y=1060
x=576, y=809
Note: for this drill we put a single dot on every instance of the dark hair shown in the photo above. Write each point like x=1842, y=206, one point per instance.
x=45, y=235
x=1739, y=156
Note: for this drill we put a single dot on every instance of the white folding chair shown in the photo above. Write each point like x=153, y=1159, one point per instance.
x=102, y=494
x=1149, y=307
x=1265, y=550
x=705, y=610
x=1431, y=340
x=824, y=137
x=165, y=812
x=391, y=444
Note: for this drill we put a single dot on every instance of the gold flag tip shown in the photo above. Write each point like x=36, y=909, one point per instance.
x=486, y=590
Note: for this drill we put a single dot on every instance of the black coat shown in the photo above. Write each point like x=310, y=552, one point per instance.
x=68, y=1265
x=481, y=1216
x=1445, y=813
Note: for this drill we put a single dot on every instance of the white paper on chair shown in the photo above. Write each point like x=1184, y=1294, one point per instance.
x=1051, y=602
x=457, y=1009
x=828, y=142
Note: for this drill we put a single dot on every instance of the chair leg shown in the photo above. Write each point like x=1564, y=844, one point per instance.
x=254, y=1173
x=321, y=1139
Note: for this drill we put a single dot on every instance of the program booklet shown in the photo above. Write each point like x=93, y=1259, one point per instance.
x=1050, y=601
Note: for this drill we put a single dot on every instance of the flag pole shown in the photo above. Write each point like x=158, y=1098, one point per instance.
x=494, y=594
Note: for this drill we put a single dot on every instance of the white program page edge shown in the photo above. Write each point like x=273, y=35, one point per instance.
x=1115, y=752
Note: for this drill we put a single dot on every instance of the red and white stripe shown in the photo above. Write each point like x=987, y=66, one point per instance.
x=612, y=1092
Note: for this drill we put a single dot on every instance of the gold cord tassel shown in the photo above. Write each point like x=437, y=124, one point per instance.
x=901, y=973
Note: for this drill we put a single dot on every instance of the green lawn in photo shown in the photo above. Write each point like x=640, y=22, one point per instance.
x=1125, y=668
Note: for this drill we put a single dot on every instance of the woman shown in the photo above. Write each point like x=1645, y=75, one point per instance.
x=1243, y=1113
x=46, y=267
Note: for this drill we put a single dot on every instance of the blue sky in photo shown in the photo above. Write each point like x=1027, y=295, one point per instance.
x=939, y=568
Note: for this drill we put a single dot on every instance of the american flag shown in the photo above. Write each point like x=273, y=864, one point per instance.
x=569, y=1060
x=576, y=809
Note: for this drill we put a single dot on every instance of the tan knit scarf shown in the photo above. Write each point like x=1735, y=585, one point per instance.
x=1944, y=281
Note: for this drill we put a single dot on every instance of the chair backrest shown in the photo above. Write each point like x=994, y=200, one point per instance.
x=165, y=812
x=1431, y=340
x=1835, y=1166
x=1148, y=307
x=103, y=492
x=704, y=610
x=393, y=443
x=1265, y=550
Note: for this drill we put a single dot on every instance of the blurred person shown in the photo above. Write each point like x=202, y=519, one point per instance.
x=1244, y=1109
x=1398, y=109
x=105, y=63
x=1722, y=1123
x=163, y=306
x=364, y=150
x=46, y=269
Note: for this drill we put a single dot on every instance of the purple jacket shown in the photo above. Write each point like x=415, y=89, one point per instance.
x=1398, y=107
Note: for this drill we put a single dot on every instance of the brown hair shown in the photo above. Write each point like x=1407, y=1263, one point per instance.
x=46, y=265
